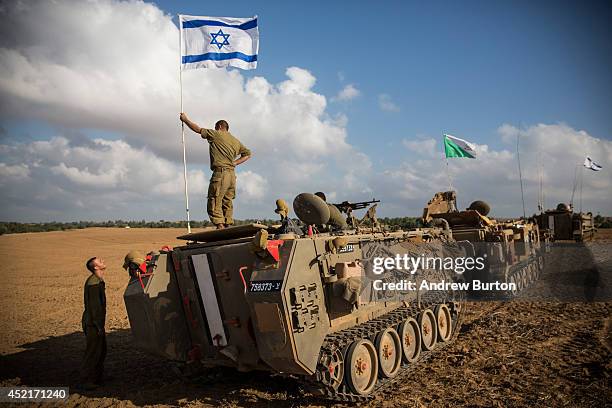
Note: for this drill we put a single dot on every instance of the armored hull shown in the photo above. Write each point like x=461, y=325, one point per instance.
x=514, y=251
x=301, y=304
x=562, y=224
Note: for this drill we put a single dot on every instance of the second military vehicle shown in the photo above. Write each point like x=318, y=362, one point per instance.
x=514, y=251
x=564, y=224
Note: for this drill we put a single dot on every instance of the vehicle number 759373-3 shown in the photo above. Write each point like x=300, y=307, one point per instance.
x=266, y=286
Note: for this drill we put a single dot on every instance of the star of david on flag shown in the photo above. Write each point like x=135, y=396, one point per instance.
x=217, y=42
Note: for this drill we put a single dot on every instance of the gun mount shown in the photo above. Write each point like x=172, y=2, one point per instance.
x=347, y=208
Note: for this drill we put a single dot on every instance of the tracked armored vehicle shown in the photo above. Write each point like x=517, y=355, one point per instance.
x=563, y=224
x=513, y=251
x=299, y=299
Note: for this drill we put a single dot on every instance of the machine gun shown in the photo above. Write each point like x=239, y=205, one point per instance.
x=348, y=208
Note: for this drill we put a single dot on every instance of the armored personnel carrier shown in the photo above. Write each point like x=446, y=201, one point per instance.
x=513, y=251
x=564, y=224
x=302, y=299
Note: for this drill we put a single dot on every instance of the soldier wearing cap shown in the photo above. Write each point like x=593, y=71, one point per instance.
x=282, y=209
x=93, y=321
x=224, y=152
x=287, y=224
x=135, y=263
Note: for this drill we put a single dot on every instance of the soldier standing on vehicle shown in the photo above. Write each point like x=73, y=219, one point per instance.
x=94, y=318
x=135, y=263
x=224, y=152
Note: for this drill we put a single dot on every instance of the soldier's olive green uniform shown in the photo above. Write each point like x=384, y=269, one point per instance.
x=224, y=149
x=94, y=318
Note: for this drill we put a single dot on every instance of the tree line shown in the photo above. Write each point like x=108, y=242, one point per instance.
x=19, y=227
x=602, y=222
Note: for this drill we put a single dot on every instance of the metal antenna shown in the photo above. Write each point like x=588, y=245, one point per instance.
x=541, y=174
x=574, y=186
x=518, y=156
x=581, y=177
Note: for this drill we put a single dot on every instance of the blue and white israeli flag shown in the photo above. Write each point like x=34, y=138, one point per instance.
x=217, y=42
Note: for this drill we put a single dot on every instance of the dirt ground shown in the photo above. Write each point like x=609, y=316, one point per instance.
x=520, y=353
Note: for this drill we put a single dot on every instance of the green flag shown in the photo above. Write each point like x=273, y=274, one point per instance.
x=455, y=147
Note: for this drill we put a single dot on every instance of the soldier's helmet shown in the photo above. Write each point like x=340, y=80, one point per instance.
x=563, y=207
x=281, y=207
x=321, y=195
x=480, y=206
x=133, y=257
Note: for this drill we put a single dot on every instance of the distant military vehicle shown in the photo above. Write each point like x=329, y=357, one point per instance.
x=513, y=250
x=563, y=224
x=297, y=301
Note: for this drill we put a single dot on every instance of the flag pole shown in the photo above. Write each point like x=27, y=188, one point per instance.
x=448, y=174
x=581, y=177
x=450, y=180
x=183, y=126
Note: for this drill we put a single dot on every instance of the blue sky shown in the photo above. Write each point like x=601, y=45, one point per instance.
x=482, y=70
x=464, y=67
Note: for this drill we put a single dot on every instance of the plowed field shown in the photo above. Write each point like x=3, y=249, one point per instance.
x=519, y=353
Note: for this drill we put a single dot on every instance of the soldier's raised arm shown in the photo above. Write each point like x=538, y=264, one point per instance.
x=192, y=125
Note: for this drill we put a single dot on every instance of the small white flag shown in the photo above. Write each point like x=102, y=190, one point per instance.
x=590, y=164
x=217, y=42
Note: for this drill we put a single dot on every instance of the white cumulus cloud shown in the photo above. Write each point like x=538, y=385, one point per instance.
x=252, y=185
x=111, y=66
x=15, y=172
x=425, y=147
x=493, y=176
x=385, y=103
x=349, y=92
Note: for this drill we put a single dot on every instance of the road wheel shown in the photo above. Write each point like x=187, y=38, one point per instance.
x=518, y=277
x=524, y=277
x=445, y=324
x=428, y=328
x=389, y=350
x=332, y=369
x=533, y=273
x=361, y=366
x=514, y=286
x=411, y=340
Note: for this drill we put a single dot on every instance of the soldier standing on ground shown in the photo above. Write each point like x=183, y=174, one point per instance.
x=224, y=152
x=94, y=318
